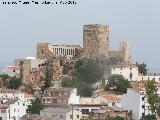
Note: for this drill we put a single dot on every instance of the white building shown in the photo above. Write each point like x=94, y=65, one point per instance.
x=9, y=100
x=12, y=109
x=62, y=113
x=128, y=71
x=12, y=71
x=150, y=76
x=135, y=101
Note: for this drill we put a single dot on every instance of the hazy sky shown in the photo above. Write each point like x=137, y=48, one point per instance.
x=135, y=21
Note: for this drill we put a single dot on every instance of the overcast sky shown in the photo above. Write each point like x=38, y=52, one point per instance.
x=134, y=21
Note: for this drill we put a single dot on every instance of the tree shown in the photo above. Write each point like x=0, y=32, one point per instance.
x=47, y=79
x=142, y=69
x=14, y=83
x=152, y=97
x=83, y=88
x=118, y=83
x=88, y=70
x=116, y=118
x=148, y=117
x=36, y=106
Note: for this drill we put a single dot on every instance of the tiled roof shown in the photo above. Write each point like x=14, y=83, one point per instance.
x=111, y=98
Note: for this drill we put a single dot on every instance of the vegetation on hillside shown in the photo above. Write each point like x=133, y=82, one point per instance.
x=83, y=89
x=35, y=107
x=152, y=97
x=142, y=69
x=88, y=70
x=116, y=118
x=118, y=83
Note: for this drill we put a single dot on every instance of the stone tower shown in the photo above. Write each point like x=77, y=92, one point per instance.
x=95, y=41
x=124, y=48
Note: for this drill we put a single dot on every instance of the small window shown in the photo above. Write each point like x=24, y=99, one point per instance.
x=14, y=70
x=143, y=106
x=61, y=116
x=130, y=68
x=142, y=98
x=71, y=117
x=77, y=116
x=55, y=100
x=121, y=68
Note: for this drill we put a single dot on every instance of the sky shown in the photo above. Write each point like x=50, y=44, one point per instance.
x=134, y=21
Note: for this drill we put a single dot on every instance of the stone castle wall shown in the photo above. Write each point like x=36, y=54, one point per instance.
x=95, y=41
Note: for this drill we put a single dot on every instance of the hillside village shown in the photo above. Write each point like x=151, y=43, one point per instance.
x=73, y=82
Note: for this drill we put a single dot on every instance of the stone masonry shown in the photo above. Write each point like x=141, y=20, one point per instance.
x=95, y=41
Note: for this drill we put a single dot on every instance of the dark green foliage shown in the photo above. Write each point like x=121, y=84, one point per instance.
x=152, y=97
x=48, y=79
x=88, y=70
x=148, y=117
x=83, y=89
x=35, y=107
x=142, y=68
x=116, y=118
x=14, y=83
x=118, y=83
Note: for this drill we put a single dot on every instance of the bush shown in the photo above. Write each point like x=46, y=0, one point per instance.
x=83, y=89
x=118, y=83
x=88, y=70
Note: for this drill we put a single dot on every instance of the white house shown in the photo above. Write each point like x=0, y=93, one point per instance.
x=135, y=101
x=12, y=71
x=128, y=71
x=62, y=113
x=12, y=109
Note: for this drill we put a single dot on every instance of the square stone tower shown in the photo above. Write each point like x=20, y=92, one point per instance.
x=96, y=41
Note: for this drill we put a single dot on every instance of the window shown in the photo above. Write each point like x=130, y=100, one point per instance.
x=77, y=116
x=0, y=118
x=130, y=68
x=85, y=111
x=51, y=93
x=71, y=117
x=61, y=116
x=142, y=98
x=56, y=94
x=121, y=68
x=143, y=106
x=55, y=100
x=14, y=70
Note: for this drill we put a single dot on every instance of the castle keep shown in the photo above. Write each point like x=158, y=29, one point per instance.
x=95, y=41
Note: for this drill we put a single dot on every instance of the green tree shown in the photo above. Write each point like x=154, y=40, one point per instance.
x=88, y=70
x=83, y=88
x=116, y=118
x=14, y=83
x=118, y=83
x=148, y=117
x=152, y=97
x=142, y=68
x=35, y=107
x=47, y=79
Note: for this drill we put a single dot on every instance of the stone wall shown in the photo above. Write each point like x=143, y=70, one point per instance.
x=95, y=41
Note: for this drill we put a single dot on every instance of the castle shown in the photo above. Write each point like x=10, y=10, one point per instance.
x=61, y=57
x=95, y=46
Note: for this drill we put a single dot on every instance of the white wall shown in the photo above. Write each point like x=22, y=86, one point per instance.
x=145, y=78
x=125, y=71
x=133, y=101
